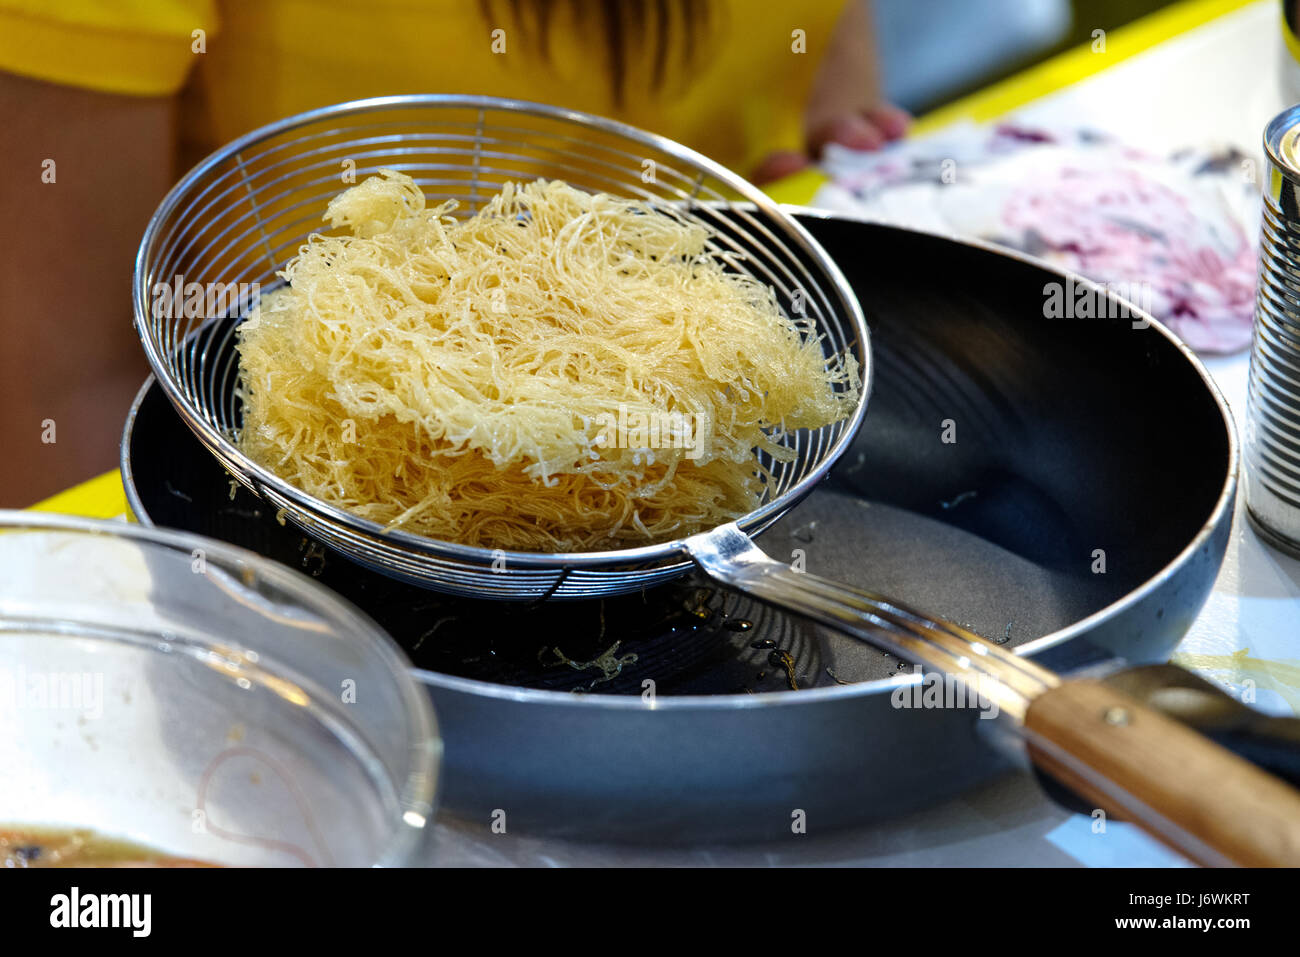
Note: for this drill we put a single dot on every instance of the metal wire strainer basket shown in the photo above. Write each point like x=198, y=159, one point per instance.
x=238, y=217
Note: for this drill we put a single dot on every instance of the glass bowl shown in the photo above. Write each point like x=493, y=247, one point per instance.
x=176, y=692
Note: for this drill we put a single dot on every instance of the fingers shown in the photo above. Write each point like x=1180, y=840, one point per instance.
x=851, y=130
x=868, y=130
x=890, y=120
x=777, y=165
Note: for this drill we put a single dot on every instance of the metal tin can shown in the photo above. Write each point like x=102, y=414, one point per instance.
x=1272, y=443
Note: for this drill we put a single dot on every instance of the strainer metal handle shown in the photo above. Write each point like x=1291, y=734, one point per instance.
x=729, y=556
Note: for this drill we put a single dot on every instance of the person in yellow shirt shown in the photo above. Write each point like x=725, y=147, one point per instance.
x=103, y=104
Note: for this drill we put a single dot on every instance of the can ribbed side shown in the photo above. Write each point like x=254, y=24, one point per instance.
x=1273, y=405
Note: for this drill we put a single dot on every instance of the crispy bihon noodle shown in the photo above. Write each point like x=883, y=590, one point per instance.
x=561, y=372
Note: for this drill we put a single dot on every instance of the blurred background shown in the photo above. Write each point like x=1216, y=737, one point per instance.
x=936, y=51
x=105, y=105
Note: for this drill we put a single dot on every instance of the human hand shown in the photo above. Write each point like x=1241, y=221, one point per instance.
x=864, y=130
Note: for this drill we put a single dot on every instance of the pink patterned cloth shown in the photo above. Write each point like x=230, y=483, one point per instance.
x=1176, y=227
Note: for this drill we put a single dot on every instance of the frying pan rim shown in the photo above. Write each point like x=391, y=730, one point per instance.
x=766, y=699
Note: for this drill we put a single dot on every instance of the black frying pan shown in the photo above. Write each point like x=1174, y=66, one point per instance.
x=1076, y=440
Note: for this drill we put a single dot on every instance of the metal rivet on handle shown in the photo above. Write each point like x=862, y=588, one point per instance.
x=1116, y=716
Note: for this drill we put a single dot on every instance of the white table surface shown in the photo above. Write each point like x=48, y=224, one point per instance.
x=1215, y=84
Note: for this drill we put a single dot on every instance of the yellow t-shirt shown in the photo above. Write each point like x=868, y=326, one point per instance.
x=239, y=64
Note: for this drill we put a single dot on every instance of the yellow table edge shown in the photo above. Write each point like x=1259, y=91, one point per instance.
x=104, y=496
x=100, y=497
x=1062, y=70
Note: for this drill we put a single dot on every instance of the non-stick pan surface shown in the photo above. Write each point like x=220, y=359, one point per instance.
x=1034, y=479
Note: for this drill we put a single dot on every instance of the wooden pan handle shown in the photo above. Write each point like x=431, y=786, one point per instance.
x=1180, y=787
